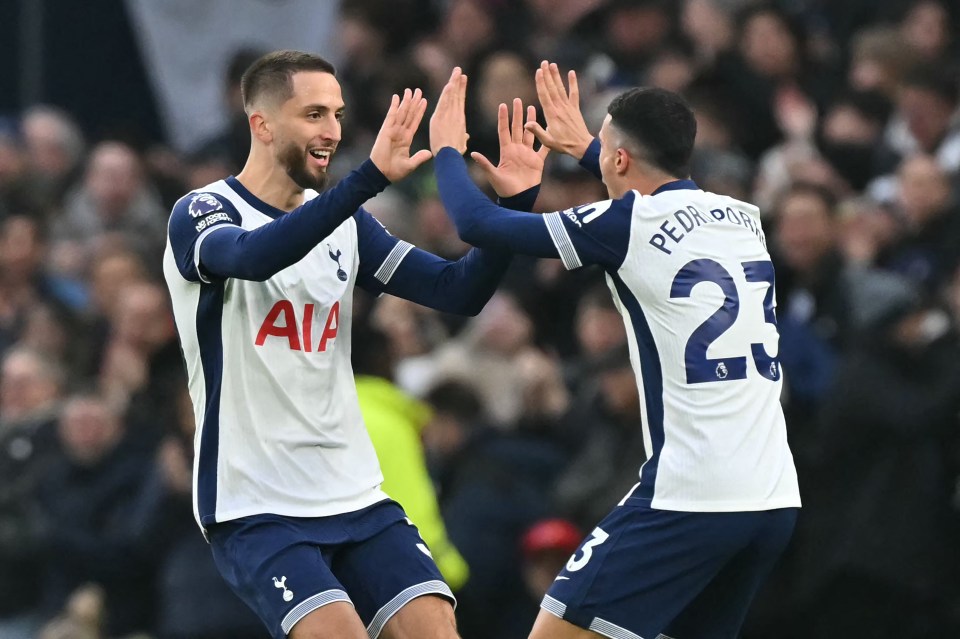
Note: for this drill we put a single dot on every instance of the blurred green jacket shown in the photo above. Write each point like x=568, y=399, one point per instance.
x=394, y=421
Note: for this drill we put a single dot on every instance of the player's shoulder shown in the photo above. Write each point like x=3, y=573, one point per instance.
x=616, y=211
x=732, y=202
x=201, y=209
x=203, y=201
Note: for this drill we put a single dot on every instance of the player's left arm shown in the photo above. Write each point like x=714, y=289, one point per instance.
x=596, y=233
x=390, y=265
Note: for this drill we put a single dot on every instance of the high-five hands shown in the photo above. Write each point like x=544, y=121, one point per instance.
x=566, y=130
x=391, y=149
x=448, y=126
x=520, y=166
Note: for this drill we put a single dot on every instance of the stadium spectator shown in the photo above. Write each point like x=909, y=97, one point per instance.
x=113, y=199
x=601, y=424
x=875, y=549
x=394, y=421
x=30, y=390
x=492, y=486
x=101, y=515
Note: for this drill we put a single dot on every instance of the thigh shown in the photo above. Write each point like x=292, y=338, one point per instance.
x=548, y=626
x=641, y=567
x=720, y=608
x=337, y=620
x=273, y=566
x=386, y=572
x=427, y=617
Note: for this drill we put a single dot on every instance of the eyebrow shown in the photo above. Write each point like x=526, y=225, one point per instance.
x=322, y=108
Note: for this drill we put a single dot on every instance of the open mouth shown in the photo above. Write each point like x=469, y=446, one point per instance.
x=321, y=157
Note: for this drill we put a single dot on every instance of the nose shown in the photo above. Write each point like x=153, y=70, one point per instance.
x=332, y=132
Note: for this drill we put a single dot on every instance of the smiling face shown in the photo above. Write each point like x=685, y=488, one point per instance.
x=306, y=128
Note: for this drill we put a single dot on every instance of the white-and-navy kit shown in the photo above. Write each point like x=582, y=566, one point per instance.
x=286, y=480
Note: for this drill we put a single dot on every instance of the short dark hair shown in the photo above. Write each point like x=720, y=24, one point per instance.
x=661, y=123
x=271, y=74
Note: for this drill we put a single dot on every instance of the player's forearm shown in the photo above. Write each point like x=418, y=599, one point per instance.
x=482, y=223
x=263, y=252
x=462, y=287
x=591, y=159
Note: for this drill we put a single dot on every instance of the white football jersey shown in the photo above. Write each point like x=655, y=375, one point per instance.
x=690, y=274
x=279, y=428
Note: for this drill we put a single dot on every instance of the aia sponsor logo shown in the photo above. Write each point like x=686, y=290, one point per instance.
x=282, y=322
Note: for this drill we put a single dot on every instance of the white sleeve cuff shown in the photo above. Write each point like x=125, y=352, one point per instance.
x=561, y=239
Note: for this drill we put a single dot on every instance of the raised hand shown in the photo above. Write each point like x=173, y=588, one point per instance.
x=448, y=126
x=566, y=130
x=520, y=166
x=391, y=149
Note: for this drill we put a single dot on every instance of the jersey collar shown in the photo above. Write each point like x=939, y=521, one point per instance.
x=253, y=200
x=677, y=185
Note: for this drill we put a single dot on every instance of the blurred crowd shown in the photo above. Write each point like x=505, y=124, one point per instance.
x=839, y=119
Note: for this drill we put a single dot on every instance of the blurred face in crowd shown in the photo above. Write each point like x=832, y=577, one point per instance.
x=443, y=436
x=844, y=123
x=924, y=189
x=110, y=275
x=637, y=30
x=805, y=231
x=927, y=115
x=52, y=143
x=88, y=430
x=503, y=326
x=504, y=76
x=143, y=318
x=767, y=45
x=599, y=329
x=467, y=28
x=620, y=392
x=305, y=129
x=926, y=28
x=113, y=178
x=21, y=251
x=26, y=385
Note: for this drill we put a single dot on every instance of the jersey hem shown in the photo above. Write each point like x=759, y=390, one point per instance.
x=724, y=506
x=337, y=508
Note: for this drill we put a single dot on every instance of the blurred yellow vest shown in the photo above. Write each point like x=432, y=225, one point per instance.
x=394, y=421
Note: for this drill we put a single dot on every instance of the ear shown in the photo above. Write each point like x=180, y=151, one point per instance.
x=622, y=161
x=260, y=128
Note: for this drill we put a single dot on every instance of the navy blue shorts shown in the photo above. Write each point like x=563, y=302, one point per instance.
x=643, y=573
x=286, y=567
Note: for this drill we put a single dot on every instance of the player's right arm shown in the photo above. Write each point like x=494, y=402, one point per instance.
x=209, y=243
x=566, y=130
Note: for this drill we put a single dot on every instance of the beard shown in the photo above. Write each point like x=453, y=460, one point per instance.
x=293, y=159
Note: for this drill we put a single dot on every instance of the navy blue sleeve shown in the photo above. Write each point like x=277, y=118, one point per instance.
x=462, y=287
x=380, y=253
x=260, y=253
x=591, y=234
x=390, y=265
x=591, y=158
x=194, y=216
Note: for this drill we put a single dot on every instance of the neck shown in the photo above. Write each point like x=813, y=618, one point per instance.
x=267, y=180
x=643, y=183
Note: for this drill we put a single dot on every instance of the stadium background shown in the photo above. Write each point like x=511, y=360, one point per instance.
x=839, y=119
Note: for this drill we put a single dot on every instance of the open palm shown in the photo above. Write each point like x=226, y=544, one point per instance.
x=520, y=167
x=391, y=149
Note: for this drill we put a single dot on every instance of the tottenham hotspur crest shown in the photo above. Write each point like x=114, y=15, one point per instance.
x=341, y=274
x=282, y=583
